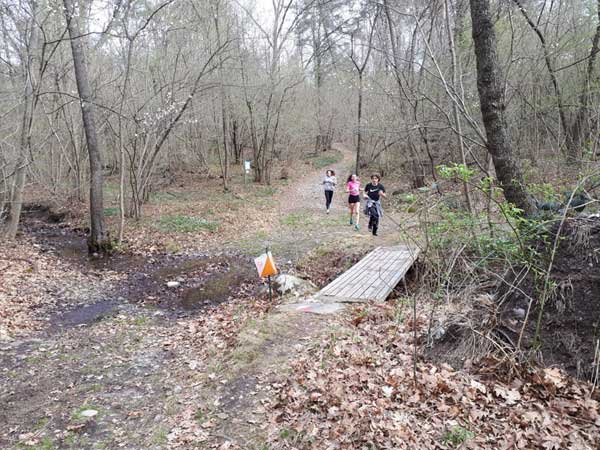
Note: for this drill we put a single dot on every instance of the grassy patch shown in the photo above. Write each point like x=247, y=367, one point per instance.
x=303, y=219
x=45, y=444
x=141, y=321
x=266, y=191
x=160, y=437
x=111, y=212
x=200, y=415
x=111, y=190
x=296, y=219
x=253, y=337
x=254, y=244
x=326, y=159
x=167, y=197
x=185, y=224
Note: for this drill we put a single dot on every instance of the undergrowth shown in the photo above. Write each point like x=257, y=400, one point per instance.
x=185, y=224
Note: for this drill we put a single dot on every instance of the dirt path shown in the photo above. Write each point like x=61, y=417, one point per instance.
x=125, y=365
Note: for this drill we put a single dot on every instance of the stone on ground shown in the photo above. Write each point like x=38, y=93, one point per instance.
x=289, y=284
x=88, y=413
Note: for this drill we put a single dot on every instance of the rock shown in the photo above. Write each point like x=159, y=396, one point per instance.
x=88, y=413
x=289, y=284
x=519, y=313
x=173, y=284
x=438, y=334
x=4, y=334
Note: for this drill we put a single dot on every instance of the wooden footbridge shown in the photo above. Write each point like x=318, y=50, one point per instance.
x=373, y=278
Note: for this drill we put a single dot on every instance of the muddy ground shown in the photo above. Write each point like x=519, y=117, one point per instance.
x=115, y=358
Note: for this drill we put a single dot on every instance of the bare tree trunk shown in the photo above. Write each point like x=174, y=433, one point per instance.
x=580, y=129
x=16, y=199
x=224, y=120
x=455, y=113
x=573, y=152
x=360, y=69
x=99, y=240
x=130, y=44
x=359, y=122
x=491, y=97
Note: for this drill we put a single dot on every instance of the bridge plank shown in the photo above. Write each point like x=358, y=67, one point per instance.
x=373, y=277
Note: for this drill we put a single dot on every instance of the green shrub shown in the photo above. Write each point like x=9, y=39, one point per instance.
x=408, y=198
x=457, y=436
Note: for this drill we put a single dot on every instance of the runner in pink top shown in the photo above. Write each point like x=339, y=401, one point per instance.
x=353, y=189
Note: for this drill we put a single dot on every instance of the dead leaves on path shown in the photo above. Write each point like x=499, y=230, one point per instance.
x=34, y=283
x=357, y=391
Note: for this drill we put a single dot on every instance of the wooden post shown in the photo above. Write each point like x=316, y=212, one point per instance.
x=270, y=281
x=270, y=290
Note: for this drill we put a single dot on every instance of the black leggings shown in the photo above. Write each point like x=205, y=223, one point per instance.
x=373, y=223
x=328, y=198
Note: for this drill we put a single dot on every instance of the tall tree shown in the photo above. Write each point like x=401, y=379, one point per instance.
x=575, y=132
x=26, y=56
x=360, y=63
x=490, y=85
x=99, y=239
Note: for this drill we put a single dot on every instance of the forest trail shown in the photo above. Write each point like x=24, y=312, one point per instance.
x=159, y=378
x=303, y=224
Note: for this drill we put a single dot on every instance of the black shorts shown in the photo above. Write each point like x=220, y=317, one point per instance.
x=353, y=199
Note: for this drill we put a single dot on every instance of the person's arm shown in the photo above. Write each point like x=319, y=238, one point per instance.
x=365, y=191
x=382, y=193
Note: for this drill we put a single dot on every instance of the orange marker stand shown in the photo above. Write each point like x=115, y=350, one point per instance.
x=265, y=265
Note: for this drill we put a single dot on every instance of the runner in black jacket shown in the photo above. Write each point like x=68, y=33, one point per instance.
x=373, y=193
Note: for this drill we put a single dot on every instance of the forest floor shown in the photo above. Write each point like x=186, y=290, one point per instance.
x=101, y=354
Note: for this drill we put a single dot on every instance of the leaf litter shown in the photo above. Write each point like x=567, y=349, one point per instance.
x=356, y=391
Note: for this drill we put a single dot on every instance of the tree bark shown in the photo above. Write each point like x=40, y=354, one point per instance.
x=455, y=66
x=99, y=240
x=491, y=98
x=580, y=129
x=224, y=112
x=359, y=122
x=11, y=226
x=573, y=151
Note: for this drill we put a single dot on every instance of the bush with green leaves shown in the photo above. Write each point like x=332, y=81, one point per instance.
x=457, y=435
x=503, y=234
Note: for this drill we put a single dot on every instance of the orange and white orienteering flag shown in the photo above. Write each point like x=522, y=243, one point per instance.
x=265, y=264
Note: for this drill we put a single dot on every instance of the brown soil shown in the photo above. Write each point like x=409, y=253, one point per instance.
x=323, y=267
x=570, y=322
x=570, y=326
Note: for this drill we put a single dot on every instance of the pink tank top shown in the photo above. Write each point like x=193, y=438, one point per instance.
x=353, y=187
